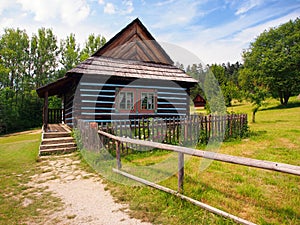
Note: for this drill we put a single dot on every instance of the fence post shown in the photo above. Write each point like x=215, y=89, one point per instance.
x=118, y=155
x=180, y=171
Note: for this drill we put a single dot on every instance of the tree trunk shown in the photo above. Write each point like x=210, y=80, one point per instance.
x=254, y=111
x=253, y=116
x=286, y=98
x=280, y=97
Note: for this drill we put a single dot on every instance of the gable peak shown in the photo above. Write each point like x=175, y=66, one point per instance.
x=135, y=42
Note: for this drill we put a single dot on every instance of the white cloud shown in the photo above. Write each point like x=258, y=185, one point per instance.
x=69, y=11
x=129, y=6
x=162, y=3
x=5, y=4
x=109, y=8
x=211, y=48
x=75, y=14
x=176, y=13
x=101, y=2
x=246, y=6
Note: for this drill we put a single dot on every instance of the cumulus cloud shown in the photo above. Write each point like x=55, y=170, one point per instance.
x=69, y=11
x=100, y=2
x=109, y=8
x=78, y=12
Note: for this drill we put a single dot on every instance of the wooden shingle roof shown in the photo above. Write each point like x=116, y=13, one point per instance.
x=131, y=69
x=135, y=42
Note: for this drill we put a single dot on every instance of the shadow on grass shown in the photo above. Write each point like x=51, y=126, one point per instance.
x=288, y=106
x=258, y=133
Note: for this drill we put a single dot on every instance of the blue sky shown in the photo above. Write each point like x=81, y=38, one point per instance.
x=216, y=31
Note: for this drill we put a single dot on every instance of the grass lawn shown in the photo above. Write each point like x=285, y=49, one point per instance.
x=18, y=161
x=263, y=197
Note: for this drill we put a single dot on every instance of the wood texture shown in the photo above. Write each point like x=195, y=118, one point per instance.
x=135, y=42
x=180, y=172
x=195, y=202
x=108, y=67
x=268, y=165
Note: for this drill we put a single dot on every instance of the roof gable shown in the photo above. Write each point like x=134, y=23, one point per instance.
x=135, y=42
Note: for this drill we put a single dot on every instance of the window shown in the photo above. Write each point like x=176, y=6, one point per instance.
x=147, y=100
x=129, y=100
x=126, y=101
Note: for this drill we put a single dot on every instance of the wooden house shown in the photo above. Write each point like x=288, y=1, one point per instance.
x=131, y=76
x=199, y=101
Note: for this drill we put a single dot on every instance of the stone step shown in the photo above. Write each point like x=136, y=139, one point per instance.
x=56, y=146
x=57, y=151
x=59, y=140
x=56, y=134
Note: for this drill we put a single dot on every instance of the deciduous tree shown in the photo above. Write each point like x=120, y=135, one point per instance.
x=273, y=59
x=92, y=44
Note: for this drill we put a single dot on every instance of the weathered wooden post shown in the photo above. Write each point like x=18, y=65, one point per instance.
x=45, y=115
x=180, y=171
x=118, y=155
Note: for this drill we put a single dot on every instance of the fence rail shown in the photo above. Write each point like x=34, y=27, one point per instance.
x=262, y=164
x=274, y=166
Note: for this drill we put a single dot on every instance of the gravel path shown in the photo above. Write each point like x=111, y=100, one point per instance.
x=83, y=194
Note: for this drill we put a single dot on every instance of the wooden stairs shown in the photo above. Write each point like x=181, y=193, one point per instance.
x=57, y=140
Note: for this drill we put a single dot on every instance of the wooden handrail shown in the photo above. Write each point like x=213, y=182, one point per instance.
x=280, y=167
x=268, y=165
x=184, y=197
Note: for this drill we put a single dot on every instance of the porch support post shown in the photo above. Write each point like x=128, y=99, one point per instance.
x=45, y=115
x=64, y=109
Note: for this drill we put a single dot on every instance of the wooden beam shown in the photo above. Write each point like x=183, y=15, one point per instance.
x=195, y=202
x=118, y=155
x=268, y=165
x=45, y=116
x=180, y=171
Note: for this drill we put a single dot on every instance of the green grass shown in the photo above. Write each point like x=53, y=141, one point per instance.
x=263, y=197
x=18, y=161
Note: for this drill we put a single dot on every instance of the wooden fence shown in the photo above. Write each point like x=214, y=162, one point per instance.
x=187, y=130
x=274, y=166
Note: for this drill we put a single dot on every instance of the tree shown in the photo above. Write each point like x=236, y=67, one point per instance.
x=254, y=89
x=14, y=52
x=197, y=72
x=44, y=57
x=92, y=44
x=226, y=81
x=70, y=53
x=27, y=64
x=274, y=59
x=208, y=87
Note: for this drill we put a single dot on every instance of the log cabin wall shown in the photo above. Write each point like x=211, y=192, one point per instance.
x=69, y=98
x=96, y=99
